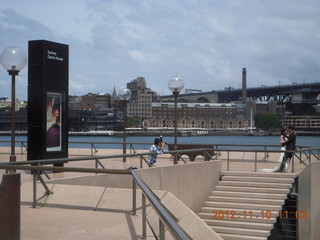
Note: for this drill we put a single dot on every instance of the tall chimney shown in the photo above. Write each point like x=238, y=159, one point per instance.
x=244, y=85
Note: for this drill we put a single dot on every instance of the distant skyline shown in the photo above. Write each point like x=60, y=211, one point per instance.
x=206, y=42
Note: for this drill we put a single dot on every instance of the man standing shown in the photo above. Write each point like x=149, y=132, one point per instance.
x=290, y=146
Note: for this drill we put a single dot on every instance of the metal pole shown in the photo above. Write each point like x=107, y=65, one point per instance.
x=228, y=160
x=144, y=217
x=175, y=147
x=140, y=161
x=13, y=74
x=292, y=163
x=34, y=203
x=161, y=230
x=134, y=197
x=309, y=156
x=124, y=129
x=175, y=116
x=255, y=161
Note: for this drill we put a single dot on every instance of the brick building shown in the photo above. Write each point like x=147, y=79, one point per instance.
x=199, y=115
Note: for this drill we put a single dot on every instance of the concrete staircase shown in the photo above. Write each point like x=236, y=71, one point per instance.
x=245, y=205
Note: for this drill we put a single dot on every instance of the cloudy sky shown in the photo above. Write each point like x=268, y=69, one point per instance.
x=206, y=42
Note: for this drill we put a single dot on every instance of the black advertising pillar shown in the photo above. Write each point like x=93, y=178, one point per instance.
x=48, y=84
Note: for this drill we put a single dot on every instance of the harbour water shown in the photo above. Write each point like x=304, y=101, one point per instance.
x=143, y=142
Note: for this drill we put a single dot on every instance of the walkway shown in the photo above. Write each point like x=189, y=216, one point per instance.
x=79, y=212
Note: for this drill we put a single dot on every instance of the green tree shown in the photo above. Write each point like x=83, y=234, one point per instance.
x=267, y=120
x=133, y=122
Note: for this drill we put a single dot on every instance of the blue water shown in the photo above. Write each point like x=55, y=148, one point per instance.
x=136, y=141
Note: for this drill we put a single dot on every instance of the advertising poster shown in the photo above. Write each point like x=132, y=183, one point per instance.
x=53, y=131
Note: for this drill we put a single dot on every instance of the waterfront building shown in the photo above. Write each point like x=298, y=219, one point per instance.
x=199, y=115
x=140, y=104
x=97, y=98
x=303, y=123
x=5, y=103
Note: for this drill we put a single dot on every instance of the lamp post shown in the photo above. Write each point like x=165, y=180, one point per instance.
x=13, y=59
x=175, y=85
x=124, y=95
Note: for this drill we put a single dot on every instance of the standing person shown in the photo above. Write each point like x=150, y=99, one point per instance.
x=156, y=147
x=283, y=138
x=290, y=145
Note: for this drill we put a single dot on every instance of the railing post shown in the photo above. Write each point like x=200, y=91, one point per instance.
x=300, y=155
x=34, y=202
x=140, y=161
x=144, y=217
x=91, y=149
x=309, y=156
x=228, y=160
x=255, y=161
x=124, y=151
x=134, y=197
x=161, y=230
x=292, y=163
x=175, y=155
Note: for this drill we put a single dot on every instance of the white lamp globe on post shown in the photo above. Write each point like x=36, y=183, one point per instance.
x=13, y=59
x=124, y=95
x=175, y=85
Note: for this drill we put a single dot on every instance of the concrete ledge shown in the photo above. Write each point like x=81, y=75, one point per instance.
x=308, y=201
x=191, y=183
x=103, y=180
x=190, y=222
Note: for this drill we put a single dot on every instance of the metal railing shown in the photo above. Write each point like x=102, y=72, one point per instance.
x=39, y=166
x=307, y=153
x=165, y=217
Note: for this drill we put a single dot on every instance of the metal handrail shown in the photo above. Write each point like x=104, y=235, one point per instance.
x=120, y=143
x=163, y=213
x=52, y=161
x=161, y=210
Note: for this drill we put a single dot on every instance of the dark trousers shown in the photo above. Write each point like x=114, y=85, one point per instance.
x=286, y=159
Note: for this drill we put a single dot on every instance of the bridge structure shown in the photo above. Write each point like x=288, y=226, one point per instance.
x=307, y=93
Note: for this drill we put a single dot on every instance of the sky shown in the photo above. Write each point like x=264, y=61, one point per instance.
x=205, y=42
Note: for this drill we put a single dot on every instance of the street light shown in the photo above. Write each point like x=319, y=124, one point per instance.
x=13, y=59
x=175, y=85
x=124, y=95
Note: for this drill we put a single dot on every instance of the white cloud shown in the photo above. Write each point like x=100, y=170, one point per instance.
x=207, y=42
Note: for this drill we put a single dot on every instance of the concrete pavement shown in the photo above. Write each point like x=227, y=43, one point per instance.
x=78, y=212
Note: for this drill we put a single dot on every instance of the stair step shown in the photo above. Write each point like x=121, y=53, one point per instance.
x=252, y=189
x=239, y=224
x=246, y=200
x=255, y=213
x=260, y=174
x=240, y=237
x=244, y=206
x=255, y=184
x=259, y=219
x=249, y=195
x=241, y=231
x=258, y=179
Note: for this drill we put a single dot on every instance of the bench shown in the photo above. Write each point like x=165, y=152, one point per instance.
x=192, y=155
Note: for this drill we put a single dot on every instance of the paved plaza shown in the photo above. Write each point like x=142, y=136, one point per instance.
x=77, y=212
